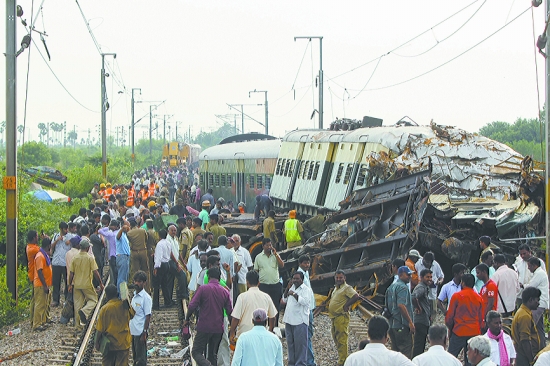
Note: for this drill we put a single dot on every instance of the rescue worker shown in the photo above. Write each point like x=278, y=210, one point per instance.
x=269, y=228
x=108, y=191
x=215, y=229
x=151, y=188
x=315, y=225
x=131, y=196
x=292, y=231
x=101, y=191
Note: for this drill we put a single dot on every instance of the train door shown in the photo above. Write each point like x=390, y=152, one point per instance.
x=240, y=183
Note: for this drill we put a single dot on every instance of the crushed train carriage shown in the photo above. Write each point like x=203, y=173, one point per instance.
x=397, y=187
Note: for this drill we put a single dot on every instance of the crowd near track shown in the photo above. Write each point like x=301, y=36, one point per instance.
x=78, y=348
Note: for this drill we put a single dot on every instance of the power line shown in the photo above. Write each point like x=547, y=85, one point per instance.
x=407, y=42
x=299, y=101
x=299, y=67
x=57, y=78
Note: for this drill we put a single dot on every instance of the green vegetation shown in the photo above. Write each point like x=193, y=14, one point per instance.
x=10, y=311
x=524, y=135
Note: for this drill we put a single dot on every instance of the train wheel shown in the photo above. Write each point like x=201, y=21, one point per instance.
x=255, y=249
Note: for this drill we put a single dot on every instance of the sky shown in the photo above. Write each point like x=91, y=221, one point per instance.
x=199, y=56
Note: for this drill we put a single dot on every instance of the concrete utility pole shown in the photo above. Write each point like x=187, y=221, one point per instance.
x=10, y=180
x=547, y=128
x=104, y=115
x=320, y=76
x=265, y=104
x=132, y=127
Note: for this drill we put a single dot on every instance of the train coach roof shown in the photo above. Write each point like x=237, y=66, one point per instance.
x=314, y=136
x=268, y=149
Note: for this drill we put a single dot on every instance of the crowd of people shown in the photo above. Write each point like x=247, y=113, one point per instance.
x=236, y=300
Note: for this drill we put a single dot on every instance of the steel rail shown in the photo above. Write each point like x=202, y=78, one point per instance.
x=91, y=326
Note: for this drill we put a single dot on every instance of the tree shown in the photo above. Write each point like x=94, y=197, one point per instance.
x=207, y=139
x=72, y=136
x=34, y=153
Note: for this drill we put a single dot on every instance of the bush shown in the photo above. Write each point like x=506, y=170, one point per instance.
x=10, y=312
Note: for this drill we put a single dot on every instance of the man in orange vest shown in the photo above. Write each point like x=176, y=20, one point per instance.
x=101, y=191
x=108, y=191
x=152, y=187
x=131, y=196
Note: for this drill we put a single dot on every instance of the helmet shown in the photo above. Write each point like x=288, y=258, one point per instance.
x=102, y=185
x=108, y=184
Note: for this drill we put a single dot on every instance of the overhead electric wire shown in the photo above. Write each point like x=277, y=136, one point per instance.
x=27, y=86
x=407, y=42
x=299, y=101
x=368, y=81
x=452, y=59
x=446, y=38
x=57, y=78
x=299, y=67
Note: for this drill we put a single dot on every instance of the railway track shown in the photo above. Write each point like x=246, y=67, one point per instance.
x=78, y=348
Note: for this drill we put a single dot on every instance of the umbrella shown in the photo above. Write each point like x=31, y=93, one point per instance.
x=50, y=196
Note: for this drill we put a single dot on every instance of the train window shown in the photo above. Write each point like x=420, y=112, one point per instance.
x=339, y=173
x=362, y=175
x=229, y=180
x=347, y=176
x=268, y=182
x=304, y=171
x=278, y=168
x=287, y=167
x=310, y=170
x=291, y=170
x=210, y=180
x=222, y=180
x=201, y=179
x=251, y=181
x=217, y=180
x=259, y=181
x=316, y=170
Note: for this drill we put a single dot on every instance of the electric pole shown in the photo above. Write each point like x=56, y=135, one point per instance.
x=547, y=128
x=133, y=125
x=164, y=131
x=265, y=104
x=320, y=38
x=104, y=107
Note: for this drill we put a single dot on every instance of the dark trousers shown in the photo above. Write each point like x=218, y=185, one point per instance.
x=457, y=344
x=59, y=272
x=275, y=291
x=296, y=338
x=160, y=281
x=403, y=340
x=521, y=360
x=203, y=341
x=113, y=269
x=182, y=292
x=139, y=351
x=420, y=335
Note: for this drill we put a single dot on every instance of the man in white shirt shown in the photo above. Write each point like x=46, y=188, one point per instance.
x=521, y=267
x=479, y=351
x=296, y=319
x=508, y=285
x=436, y=354
x=540, y=281
x=303, y=266
x=163, y=254
x=496, y=337
x=243, y=263
x=375, y=353
x=139, y=324
x=428, y=261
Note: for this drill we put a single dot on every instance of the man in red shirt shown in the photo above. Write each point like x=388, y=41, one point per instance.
x=464, y=317
x=489, y=291
x=42, y=282
x=32, y=249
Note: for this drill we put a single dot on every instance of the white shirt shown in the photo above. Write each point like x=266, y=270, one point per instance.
x=308, y=284
x=175, y=246
x=244, y=258
x=297, y=311
x=142, y=305
x=375, y=354
x=194, y=267
x=495, y=354
x=436, y=356
x=486, y=362
x=508, y=287
x=543, y=360
x=540, y=281
x=524, y=274
x=436, y=275
x=162, y=252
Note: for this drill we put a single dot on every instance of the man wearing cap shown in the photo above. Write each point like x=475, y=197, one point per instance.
x=208, y=196
x=399, y=302
x=215, y=229
x=412, y=258
x=292, y=231
x=258, y=347
x=203, y=215
x=83, y=268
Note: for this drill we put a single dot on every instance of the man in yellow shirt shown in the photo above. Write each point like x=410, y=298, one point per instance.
x=343, y=296
x=113, y=322
x=269, y=228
